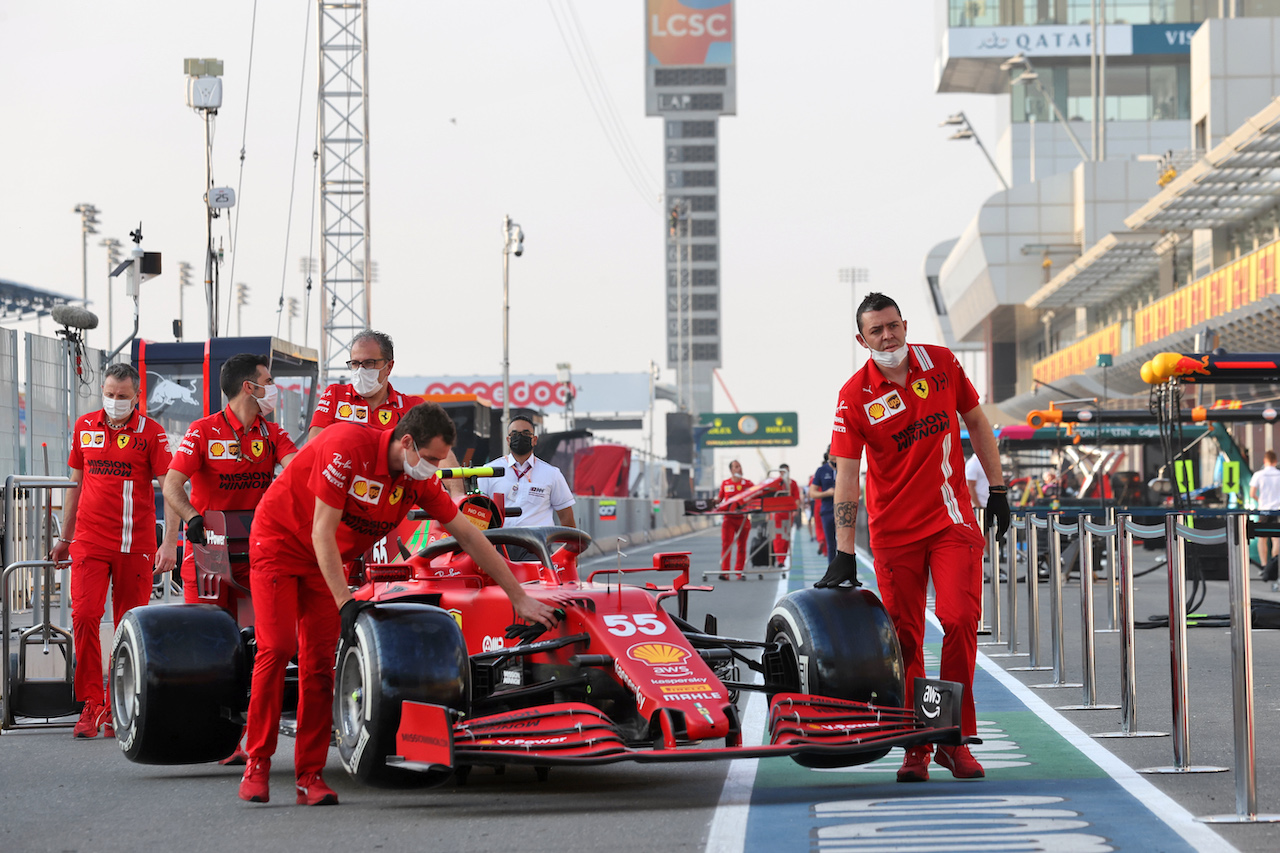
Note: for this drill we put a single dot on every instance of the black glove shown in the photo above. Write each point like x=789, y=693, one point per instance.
x=349, y=612
x=195, y=530
x=843, y=568
x=532, y=631
x=997, y=511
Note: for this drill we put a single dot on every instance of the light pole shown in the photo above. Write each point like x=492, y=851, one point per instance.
x=966, y=131
x=1029, y=75
x=854, y=276
x=293, y=312
x=112, y=245
x=308, y=266
x=184, y=281
x=242, y=299
x=204, y=94
x=88, y=219
x=512, y=243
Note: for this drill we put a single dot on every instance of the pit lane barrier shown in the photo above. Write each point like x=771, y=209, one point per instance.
x=27, y=584
x=1120, y=535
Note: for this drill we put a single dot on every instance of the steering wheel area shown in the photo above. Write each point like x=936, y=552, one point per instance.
x=541, y=542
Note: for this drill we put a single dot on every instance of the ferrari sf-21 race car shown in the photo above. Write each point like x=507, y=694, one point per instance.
x=435, y=678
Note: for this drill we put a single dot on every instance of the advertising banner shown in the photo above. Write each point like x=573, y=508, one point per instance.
x=689, y=32
x=598, y=393
x=749, y=429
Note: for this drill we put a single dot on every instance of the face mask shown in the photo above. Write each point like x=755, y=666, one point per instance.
x=424, y=470
x=889, y=359
x=520, y=444
x=736, y=476
x=786, y=475
x=267, y=402
x=117, y=410
x=366, y=382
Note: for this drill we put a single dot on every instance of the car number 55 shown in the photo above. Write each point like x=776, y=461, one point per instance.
x=624, y=626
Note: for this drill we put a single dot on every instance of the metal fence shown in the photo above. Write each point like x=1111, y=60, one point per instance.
x=10, y=423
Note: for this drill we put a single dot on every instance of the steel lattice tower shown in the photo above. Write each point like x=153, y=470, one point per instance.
x=343, y=116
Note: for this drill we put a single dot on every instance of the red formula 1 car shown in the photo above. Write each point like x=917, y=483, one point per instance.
x=429, y=683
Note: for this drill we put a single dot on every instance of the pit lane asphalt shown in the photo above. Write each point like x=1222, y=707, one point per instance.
x=61, y=794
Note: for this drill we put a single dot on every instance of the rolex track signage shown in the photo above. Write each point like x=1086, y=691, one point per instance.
x=750, y=429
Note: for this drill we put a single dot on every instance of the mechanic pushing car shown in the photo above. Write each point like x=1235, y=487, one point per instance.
x=736, y=525
x=108, y=529
x=230, y=459
x=342, y=492
x=900, y=408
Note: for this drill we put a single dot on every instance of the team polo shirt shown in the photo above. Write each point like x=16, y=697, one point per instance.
x=341, y=404
x=537, y=487
x=229, y=466
x=731, y=487
x=911, y=436
x=825, y=478
x=346, y=467
x=117, y=506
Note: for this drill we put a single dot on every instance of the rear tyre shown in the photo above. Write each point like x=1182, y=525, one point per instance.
x=179, y=681
x=845, y=647
x=397, y=653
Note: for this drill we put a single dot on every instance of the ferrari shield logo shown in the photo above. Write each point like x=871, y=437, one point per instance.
x=921, y=387
x=384, y=417
x=122, y=441
x=257, y=446
x=395, y=496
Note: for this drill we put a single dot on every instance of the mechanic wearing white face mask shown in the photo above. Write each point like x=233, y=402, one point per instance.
x=230, y=457
x=537, y=487
x=341, y=493
x=369, y=399
x=900, y=412
x=108, y=529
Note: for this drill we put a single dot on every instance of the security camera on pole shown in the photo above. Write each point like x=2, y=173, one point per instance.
x=140, y=267
x=204, y=93
x=512, y=243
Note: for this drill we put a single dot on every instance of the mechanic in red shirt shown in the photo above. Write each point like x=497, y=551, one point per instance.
x=736, y=525
x=784, y=521
x=342, y=492
x=900, y=410
x=229, y=464
x=109, y=529
x=369, y=399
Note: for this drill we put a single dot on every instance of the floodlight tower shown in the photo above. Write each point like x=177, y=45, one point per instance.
x=204, y=94
x=345, y=270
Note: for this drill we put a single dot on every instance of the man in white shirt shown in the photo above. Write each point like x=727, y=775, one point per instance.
x=537, y=487
x=979, y=487
x=1264, y=488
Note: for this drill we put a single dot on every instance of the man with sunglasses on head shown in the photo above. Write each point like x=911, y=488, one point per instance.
x=369, y=399
x=537, y=487
x=230, y=457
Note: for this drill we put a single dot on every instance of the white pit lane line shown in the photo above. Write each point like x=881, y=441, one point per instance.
x=728, y=831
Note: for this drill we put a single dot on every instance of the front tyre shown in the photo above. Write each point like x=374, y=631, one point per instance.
x=397, y=653
x=179, y=680
x=845, y=647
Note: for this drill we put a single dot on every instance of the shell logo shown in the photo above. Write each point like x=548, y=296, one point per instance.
x=344, y=411
x=657, y=653
x=361, y=488
x=217, y=449
x=86, y=439
x=876, y=411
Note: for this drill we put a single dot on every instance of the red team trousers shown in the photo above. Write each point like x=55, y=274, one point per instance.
x=734, y=526
x=92, y=570
x=293, y=611
x=954, y=558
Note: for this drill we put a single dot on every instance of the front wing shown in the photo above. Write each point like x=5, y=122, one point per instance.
x=575, y=733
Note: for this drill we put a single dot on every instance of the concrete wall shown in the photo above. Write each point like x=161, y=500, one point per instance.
x=1235, y=72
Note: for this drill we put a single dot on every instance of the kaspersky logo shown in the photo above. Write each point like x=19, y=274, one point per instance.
x=656, y=654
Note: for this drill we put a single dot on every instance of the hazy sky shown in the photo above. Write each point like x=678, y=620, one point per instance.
x=834, y=160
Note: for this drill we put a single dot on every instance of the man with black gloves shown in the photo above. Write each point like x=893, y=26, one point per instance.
x=341, y=493
x=900, y=411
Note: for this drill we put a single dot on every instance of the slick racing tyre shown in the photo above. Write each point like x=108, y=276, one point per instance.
x=179, y=681
x=845, y=647
x=397, y=653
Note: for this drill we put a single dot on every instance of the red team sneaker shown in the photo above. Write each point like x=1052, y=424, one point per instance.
x=253, y=785
x=960, y=762
x=915, y=767
x=312, y=791
x=89, y=722
x=105, y=718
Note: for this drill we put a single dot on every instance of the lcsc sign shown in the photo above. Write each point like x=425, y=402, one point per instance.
x=690, y=33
